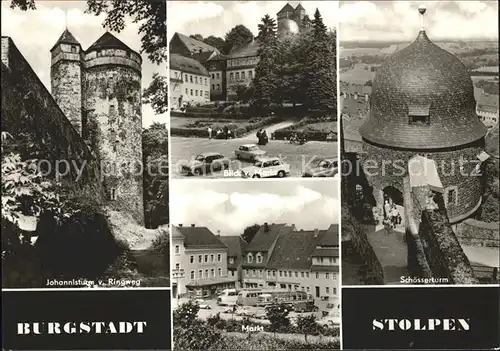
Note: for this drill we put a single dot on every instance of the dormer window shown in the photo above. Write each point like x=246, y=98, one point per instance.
x=258, y=258
x=419, y=113
x=249, y=258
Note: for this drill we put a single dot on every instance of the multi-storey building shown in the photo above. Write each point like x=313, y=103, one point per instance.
x=306, y=261
x=202, y=258
x=235, y=256
x=217, y=68
x=487, y=109
x=191, y=81
x=258, y=253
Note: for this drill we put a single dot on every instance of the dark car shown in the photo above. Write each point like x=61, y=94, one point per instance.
x=205, y=163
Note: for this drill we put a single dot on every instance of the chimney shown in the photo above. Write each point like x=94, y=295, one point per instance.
x=192, y=225
x=180, y=225
x=266, y=227
x=316, y=232
x=218, y=232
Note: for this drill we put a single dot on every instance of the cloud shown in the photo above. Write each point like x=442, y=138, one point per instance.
x=217, y=18
x=35, y=32
x=400, y=20
x=232, y=212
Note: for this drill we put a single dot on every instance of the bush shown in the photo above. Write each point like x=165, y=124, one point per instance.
x=198, y=336
x=265, y=342
x=278, y=317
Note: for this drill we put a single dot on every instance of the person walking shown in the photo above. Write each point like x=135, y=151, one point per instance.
x=387, y=209
x=226, y=129
x=209, y=130
x=394, y=215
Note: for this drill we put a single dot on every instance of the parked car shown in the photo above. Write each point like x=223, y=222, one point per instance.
x=327, y=167
x=202, y=304
x=329, y=322
x=250, y=152
x=205, y=163
x=246, y=311
x=266, y=167
x=228, y=297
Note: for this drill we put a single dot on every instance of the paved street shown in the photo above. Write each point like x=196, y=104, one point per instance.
x=298, y=156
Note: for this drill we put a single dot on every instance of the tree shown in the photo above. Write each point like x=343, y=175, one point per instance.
x=266, y=76
x=216, y=42
x=157, y=94
x=307, y=325
x=277, y=314
x=321, y=59
x=197, y=37
x=236, y=37
x=249, y=232
x=151, y=14
x=306, y=22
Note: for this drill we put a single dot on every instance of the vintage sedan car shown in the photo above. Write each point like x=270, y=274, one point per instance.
x=205, y=163
x=250, y=152
x=266, y=167
x=326, y=167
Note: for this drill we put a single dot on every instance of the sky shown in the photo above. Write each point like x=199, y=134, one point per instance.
x=219, y=17
x=231, y=206
x=35, y=32
x=399, y=20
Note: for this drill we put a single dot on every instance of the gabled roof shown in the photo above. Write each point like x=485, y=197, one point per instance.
x=194, y=46
x=66, y=38
x=236, y=246
x=265, y=238
x=245, y=50
x=108, y=41
x=200, y=238
x=187, y=64
x=204, y=56
x=299, y=7
x=293, y=251
x=286, y=8
x=329, y=237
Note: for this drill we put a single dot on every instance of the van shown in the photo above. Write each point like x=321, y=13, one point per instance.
x=228, y=297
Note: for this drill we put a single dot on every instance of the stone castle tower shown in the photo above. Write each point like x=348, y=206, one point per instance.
x=99, y=90
x=290, y=19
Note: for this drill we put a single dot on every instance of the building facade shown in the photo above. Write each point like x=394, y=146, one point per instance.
x=99, y=91
x=191, y=82
x=235, y=256
x=240, y=68
x=202, y=258
x=487, y=109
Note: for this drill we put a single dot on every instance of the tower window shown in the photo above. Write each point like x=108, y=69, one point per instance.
x=73, y=48
x=112, y=194
x=451, y=196
x=418, y=113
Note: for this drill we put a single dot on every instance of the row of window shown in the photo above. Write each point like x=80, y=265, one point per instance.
x=202, y=258
x=321, y=260
x=214, y=85
x=288, y=274
x=240, y=75
x=216, y=75
x=328, y=289
x=204, y=274
x=202, y=81
x=207, y=93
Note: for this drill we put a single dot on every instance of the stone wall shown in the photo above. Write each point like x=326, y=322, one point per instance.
x=383, y=171
x=443, y=251
x=39, y=126
x=478, y=233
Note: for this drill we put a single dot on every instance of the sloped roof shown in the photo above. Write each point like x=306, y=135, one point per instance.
x=293, y=251
x=194, y=46
x=204, y=56
x=492, y=141
x=329, y=237
x=109, y=41
x=488, y=103
x=200, y=238
x=176, y=233
x=263, y=240
x=245, y=50
x=299, y=7
x=187, y=64
x=65, y=38
x=235, y=244
x=326, y=252
x=286, y=8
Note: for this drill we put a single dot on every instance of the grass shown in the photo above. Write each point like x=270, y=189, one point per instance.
x=203, y=123
x=357, y=75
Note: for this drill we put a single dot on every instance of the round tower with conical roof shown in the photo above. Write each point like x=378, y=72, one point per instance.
x=423, y=104
x=113, y=120
x=66, y=77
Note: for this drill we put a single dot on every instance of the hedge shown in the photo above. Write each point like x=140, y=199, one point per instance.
x=285, y=133
x=236, y=130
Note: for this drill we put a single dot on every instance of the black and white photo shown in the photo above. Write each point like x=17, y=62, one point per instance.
x=255, y=266
x=253, y=89
x=419, y=142
x=84, y=144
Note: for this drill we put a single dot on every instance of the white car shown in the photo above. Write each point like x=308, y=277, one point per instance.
x=250, y=152
x=265, y=168
x=329, y=322
x=202, y=304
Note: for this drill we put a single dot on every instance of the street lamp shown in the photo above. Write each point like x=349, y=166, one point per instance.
x=177, y=274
